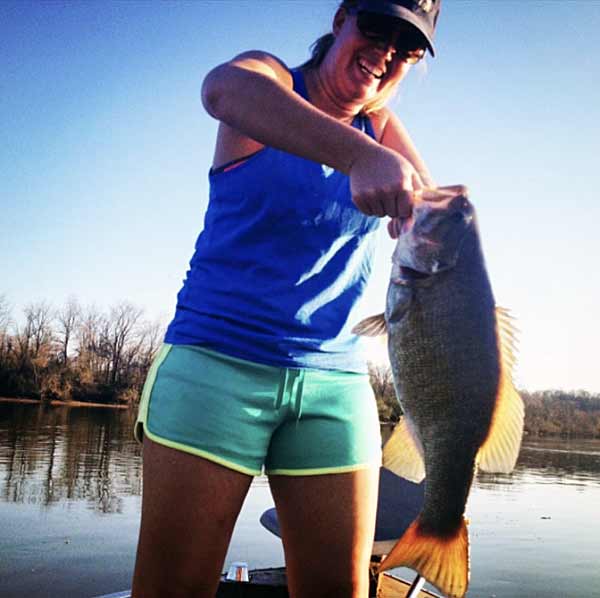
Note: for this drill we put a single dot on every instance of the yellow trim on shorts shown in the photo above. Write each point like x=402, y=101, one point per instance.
x=140, y=422
x=245, y=465
x=323, y=470
x=141, y=426
x=201, y=453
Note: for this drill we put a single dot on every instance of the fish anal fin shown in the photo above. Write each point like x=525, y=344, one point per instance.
x=371, y=326
x=403, y=452
x=500, y=450
x=442, y=561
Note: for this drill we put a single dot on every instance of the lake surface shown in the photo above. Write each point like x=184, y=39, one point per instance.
x=70, y=485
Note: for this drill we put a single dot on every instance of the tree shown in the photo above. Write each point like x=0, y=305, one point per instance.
x=39, y=318
x=34, y=349
x=382, y=382
x=71, y=353
x=118, y=333
x=88, y=338
x=68, y=318
x=381, y=379
x=5, y=322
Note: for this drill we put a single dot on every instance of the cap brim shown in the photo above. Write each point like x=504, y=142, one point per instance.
x=400, y=12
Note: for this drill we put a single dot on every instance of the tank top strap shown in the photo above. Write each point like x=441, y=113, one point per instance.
x=299, y=84
x=366, y=126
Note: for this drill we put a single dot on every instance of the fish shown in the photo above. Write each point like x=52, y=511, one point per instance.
x=452, y=353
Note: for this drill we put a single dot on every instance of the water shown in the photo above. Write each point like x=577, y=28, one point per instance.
x=70, y=483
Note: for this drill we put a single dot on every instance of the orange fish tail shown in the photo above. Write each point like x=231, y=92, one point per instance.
x=442, y=561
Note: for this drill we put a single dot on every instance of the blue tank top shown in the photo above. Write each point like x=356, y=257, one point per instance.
x=281, y=264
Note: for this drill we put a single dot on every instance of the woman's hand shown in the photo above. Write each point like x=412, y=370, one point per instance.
x=382, y=183
x=394, y=227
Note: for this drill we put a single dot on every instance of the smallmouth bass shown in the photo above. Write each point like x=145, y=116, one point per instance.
x=451, y=352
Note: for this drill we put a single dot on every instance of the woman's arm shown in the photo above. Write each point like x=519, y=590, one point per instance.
x=395, y=136
x=253, y=94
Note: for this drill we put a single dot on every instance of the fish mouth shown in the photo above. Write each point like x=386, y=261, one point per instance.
x=407, y=275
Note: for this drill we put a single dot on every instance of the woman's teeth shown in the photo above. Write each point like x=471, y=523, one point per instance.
x=370, y=69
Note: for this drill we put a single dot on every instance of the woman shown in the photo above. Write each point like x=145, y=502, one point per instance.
x=260, y=367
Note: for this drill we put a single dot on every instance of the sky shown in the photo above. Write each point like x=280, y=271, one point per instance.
x=105, y=150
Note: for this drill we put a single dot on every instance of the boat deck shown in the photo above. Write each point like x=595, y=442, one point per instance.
x=272, y=583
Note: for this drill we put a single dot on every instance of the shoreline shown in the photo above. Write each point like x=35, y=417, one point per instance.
x=60, y=403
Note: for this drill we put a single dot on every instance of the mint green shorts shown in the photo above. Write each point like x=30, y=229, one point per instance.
x=247, y=416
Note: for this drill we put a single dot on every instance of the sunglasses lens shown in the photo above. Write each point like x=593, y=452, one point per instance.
x=374, y=26
x=409, y=44
x=411, y=56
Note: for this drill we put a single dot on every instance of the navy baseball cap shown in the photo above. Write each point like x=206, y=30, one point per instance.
x=423, y=14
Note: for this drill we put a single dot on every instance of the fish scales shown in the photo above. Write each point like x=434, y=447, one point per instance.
x=451, y=377
x=444, y=358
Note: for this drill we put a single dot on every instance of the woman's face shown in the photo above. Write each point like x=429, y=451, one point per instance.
x=358, y=68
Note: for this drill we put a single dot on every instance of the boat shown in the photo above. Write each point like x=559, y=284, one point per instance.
x=398, y=505
x=271, y=583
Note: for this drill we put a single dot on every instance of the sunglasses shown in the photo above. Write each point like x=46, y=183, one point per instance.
x=380, y=29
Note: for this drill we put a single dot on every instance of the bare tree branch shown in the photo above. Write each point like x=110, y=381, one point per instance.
x=68, y=318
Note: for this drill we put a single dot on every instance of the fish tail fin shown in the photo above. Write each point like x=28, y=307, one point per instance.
x=442, y=561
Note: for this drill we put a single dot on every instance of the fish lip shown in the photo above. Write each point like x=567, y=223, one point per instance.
x=410, y=277
x=412, y=273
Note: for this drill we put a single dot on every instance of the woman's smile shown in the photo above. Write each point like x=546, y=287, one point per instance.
x=370, y=68
x=372, y=65
x=376, y=69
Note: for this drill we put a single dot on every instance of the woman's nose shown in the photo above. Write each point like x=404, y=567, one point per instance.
x=388, y=48
x=388, y=45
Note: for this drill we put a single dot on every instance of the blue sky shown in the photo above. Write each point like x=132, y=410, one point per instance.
x=106, y=148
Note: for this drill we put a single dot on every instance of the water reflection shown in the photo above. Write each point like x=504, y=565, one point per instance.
x=534, y=532
x=563, y=461
x=51, y=455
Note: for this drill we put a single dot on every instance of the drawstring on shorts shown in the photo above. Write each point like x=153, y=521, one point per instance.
x=290, y=390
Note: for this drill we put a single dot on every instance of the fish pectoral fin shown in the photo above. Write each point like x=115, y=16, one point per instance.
x=403, y=452
x=500, y=450
x=442, y=561
x=371, y=326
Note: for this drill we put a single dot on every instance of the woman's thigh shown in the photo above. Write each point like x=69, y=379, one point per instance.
x=189, y=509
x=327, y=524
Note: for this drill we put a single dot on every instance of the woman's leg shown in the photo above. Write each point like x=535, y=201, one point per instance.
x=189, y=509
x=327, y=524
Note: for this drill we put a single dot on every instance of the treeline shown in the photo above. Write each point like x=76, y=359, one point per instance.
x=72, y=353
x=547, y=413
x=560, y=413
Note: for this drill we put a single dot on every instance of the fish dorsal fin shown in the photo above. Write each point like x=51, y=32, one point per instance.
x=371, y=326
x=403, y=452
x=500, y=450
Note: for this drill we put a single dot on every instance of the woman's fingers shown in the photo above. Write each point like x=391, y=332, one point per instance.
x=395, y=204
x=398, y=204
x=382, y=184
x=393, y=227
